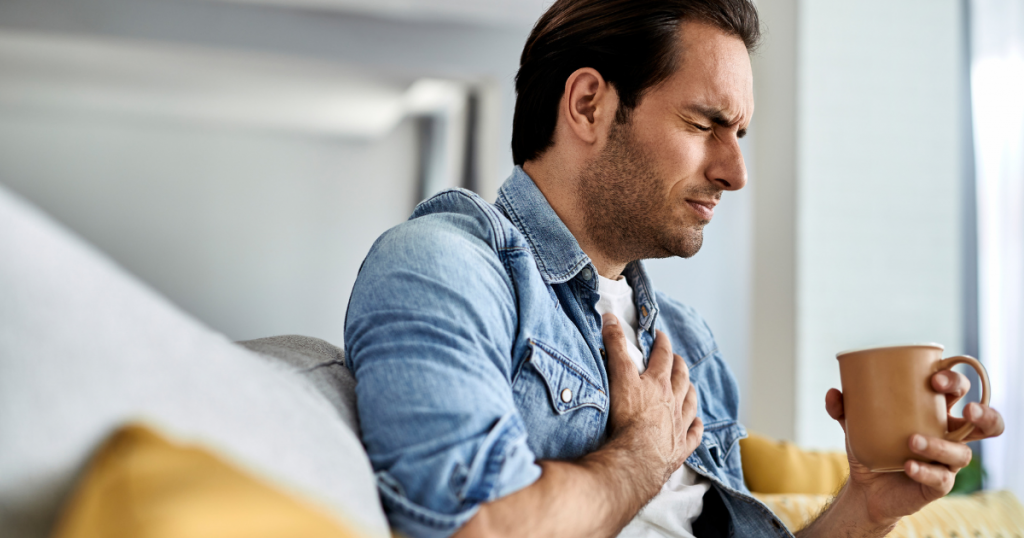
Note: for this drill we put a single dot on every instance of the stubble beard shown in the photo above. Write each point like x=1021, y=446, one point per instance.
x=626, y=213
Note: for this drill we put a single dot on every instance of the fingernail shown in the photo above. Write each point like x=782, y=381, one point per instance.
x=609, y=319
x=913, y=467
x=919, y=442
x=944, y=381
x=973, y=411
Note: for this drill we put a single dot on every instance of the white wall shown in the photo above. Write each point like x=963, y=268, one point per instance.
x=878, y=176
x=772, y=397
x=255, y=233
x=402, y=49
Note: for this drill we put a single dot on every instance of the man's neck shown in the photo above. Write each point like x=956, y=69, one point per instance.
x=558, y=185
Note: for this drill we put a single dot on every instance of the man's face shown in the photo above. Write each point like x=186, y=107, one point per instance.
x=659, y=176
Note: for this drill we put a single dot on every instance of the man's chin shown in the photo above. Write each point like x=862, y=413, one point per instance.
x=687, y=245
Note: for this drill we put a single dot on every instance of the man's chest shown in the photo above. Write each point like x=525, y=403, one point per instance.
x=559, y=381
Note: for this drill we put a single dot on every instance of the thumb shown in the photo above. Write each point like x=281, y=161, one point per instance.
x=619, y=365
x=834, y=406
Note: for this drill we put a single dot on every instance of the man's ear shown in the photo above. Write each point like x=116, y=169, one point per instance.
x=588, y=105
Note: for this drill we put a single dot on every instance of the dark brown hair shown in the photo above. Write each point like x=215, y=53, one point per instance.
x=632, y=43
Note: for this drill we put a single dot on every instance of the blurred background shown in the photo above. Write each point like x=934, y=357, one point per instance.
x=241, y=157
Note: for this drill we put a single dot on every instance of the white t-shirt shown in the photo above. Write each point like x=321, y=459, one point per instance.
x=672, y=511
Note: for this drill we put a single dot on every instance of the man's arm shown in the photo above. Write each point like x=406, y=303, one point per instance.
x=653, y=428
x=429, y=331
x=870, y=504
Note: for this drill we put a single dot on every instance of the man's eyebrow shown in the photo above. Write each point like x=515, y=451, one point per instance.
x=715, y=116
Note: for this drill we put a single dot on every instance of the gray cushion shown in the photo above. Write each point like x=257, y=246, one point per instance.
x=85, y=347
x=321, y=363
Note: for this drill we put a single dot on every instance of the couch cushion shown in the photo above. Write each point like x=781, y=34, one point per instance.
x=771, y=466
x=141, y=485
x=986, y=514
x=320, y=362
x=85, y=347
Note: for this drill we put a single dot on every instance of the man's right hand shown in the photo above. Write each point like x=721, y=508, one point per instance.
x=654, y=413
x=652, y=426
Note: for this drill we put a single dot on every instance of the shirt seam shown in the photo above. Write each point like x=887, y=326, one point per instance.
x=705, y=357
x=516, y=220
x=500, y=244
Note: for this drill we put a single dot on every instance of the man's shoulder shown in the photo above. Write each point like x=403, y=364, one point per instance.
x=458, y=213
x=441, y=268
x=452, y=228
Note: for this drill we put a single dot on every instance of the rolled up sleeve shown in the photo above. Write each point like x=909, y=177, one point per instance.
x=429, y=336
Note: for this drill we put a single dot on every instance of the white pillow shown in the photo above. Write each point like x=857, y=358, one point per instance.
x=85, y=347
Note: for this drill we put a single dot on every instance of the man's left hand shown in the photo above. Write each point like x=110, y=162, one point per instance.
x=885, y=497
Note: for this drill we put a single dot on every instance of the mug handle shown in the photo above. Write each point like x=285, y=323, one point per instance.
x=946, y=364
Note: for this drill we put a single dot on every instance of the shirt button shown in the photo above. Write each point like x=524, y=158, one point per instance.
x=586, y=273
x=566, y=395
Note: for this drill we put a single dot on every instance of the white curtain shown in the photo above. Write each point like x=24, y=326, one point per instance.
x=997, y=88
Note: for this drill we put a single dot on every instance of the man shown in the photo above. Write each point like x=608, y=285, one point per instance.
x=498, y=348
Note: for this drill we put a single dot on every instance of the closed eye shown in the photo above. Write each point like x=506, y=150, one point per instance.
x=701, y=128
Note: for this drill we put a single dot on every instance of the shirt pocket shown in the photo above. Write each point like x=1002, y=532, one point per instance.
x=569, y=386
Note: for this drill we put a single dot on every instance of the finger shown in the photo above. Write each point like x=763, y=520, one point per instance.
x=987, y=421
x=953, y=385
x=954, y=455
x=834, y=407
x=834, y=404
x=937, y=477
x=660, y=362
x=689, y=408
x=694, y=435
x=620, y=367
x=680, y=377
x=687, y=418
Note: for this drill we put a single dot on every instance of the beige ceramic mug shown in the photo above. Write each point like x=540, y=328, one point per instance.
x=888, y=396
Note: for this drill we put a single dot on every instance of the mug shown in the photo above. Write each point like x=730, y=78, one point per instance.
x=888, y=396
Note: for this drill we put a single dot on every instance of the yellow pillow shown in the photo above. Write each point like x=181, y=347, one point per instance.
x=140, y=485
x=771, y=466
x=986, y=514
x=796, y=485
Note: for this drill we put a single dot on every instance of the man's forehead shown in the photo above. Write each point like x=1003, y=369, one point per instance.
x=708, y=43
x=713, y=77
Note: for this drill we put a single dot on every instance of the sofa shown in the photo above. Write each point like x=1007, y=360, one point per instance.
x=121, y=415
x=86, y=348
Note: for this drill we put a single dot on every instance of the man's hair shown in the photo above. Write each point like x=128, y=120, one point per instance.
x=632, y=43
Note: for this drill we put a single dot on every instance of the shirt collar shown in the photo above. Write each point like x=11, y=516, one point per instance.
x=646, y=303
x=559, y=256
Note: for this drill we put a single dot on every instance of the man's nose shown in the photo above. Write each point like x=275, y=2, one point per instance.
x=727, y=168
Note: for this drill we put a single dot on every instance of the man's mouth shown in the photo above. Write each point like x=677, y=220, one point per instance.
x=704, y=208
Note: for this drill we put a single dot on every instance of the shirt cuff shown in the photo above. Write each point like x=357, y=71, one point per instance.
x=502, y=465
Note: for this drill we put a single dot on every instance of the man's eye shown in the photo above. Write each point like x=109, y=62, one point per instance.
x=701, y=127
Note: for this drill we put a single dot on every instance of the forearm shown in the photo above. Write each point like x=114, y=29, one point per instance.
x=848, y=516
x=594, y=496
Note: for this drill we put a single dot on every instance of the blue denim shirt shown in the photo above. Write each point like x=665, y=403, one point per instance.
x=474, y=339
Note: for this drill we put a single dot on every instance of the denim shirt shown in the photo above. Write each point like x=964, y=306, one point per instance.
x=476, y=346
